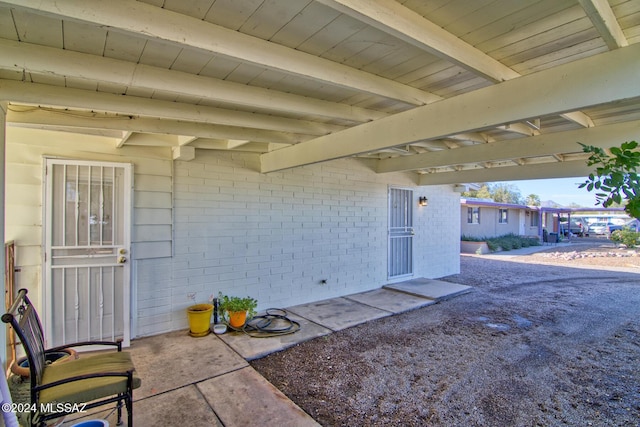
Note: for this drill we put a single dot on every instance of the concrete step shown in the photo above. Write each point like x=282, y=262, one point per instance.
x=436, y=290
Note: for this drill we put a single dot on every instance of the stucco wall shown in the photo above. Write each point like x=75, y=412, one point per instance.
x=272, y=236
x=489, y=225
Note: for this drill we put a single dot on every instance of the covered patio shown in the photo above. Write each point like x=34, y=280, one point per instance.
x=208, y=380
x=157, y=152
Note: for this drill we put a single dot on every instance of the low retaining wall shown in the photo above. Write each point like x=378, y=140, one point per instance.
x=478, y=248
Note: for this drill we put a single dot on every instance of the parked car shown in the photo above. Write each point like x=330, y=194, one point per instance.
x=578, y=227
x=600, y=227
x=633, y=225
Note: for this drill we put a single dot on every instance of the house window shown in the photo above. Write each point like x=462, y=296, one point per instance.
x=473, y=215
x=503, y=216
x=535, y=219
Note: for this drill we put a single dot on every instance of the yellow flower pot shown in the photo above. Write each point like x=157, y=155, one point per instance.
x=199, y=316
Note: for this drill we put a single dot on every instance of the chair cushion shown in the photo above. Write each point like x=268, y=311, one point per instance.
x=84, y=391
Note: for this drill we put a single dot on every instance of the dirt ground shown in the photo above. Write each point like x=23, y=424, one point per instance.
x=533, y=345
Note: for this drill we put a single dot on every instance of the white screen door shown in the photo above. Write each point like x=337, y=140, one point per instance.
x=400, y=233
x=87, y=268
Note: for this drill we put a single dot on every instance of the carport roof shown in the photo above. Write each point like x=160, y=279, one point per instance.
x=491, y=203
x=451, y=92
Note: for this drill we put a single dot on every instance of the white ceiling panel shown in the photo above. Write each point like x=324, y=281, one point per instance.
x=231, y=14
x=124, y=47
x=271, y=16
x=38, y=29
x=159, y=54
x=84, y=38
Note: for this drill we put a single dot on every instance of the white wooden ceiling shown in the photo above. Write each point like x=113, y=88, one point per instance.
x=452, y=90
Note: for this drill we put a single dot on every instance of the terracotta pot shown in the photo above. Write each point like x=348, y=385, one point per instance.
x=199, y=316
x=21, y=366
x=237, y=319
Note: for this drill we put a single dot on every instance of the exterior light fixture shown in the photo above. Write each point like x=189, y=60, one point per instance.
x=422, y=201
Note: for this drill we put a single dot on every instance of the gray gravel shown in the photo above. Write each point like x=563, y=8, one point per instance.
x=532, y=345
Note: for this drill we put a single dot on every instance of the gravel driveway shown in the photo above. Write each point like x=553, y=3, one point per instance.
x=532, y=345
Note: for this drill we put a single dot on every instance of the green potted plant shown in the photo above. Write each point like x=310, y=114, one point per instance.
x=237, y=310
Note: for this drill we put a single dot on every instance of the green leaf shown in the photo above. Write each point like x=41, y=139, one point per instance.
x=615, y=179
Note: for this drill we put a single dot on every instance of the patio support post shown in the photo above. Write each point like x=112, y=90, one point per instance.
x=3, y=126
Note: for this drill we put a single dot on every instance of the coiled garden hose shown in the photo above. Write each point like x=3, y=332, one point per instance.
x=271, y=324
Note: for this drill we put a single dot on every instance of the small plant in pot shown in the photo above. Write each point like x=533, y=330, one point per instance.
x=237, y=310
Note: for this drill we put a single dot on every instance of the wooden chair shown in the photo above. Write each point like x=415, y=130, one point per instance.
x=87, y=382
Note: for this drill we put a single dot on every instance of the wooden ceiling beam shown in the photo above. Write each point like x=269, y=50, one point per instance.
x=26, y=57
x=80, y=99
x=188, y=32
x=552, y=144
x=395, y=19
x=509, y=173
x=605, y=21
x=125, y=136
x=604, y=78
x=520, y=128
x=42, y=117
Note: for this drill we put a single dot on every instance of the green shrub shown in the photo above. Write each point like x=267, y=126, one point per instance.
x=505, y=244
x=492, y=245
x=516, y=242
x=508, y=242
x=465, y=238
x=627, y=237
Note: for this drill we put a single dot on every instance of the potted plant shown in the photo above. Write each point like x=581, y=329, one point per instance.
x=237, y=310
x=199, y=316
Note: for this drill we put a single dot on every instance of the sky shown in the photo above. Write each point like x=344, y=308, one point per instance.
x=563, y=191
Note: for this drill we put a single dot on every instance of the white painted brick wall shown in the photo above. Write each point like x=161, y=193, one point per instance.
x=276, y=236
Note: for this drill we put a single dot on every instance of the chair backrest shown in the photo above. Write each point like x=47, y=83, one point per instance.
x=26, y=323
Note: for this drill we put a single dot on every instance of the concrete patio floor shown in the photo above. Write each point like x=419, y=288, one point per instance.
x=208, y=381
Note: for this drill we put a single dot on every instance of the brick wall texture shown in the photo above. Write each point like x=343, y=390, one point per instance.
x=277, y=236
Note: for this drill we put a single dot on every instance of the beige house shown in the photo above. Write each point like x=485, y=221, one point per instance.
x=157, y=152
x=485, y=218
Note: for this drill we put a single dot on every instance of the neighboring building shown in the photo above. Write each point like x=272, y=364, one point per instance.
x=485, y=218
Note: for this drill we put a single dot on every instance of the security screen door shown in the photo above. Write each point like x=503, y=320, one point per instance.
x=400, y=233
x=87, y=269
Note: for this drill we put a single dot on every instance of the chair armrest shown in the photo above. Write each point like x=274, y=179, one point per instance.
x=117, y=343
